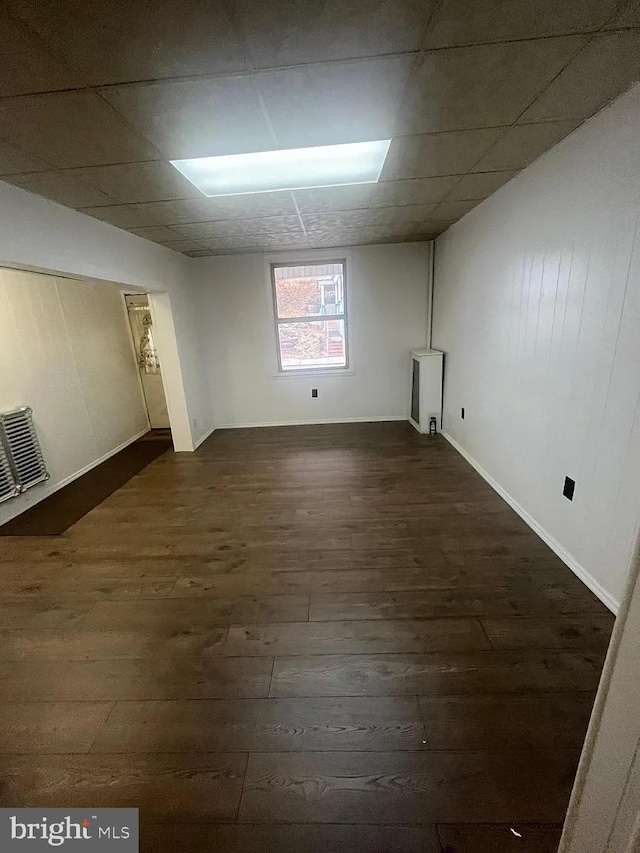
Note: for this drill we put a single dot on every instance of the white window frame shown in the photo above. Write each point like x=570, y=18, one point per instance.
x=319, y=369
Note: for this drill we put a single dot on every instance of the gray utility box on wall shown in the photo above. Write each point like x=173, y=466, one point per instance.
x=426, y=388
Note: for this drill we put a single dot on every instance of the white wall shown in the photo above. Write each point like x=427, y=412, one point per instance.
x=387, y=298
x=41, y=235
x=537, y=306
x=65, y=350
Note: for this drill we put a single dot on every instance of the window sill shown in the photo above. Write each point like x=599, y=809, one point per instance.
x=311, y=374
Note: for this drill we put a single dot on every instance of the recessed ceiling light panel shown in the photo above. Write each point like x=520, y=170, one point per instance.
x=292, y=169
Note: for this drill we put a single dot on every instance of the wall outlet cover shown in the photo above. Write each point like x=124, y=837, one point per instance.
x=569, y=488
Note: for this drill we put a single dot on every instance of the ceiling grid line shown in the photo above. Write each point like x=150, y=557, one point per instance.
x=469, y=91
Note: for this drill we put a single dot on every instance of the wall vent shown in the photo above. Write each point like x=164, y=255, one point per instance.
x=22, y=448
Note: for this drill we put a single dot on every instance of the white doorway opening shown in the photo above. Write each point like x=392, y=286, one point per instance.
x=148, y=360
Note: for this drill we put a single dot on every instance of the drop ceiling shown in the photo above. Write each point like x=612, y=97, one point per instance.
x=96, y=97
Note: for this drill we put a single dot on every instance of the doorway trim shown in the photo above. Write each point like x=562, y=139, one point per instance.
x=604, y=810
x=172, y=380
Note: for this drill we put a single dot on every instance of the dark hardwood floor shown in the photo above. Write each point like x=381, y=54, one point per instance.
x=331, y=638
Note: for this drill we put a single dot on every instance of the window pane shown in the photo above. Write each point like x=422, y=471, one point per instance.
x=308, y=345
x=315, y=290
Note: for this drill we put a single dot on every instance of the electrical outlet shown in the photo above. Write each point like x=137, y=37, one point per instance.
x=462, y=413
x=569, y=488
x=314, y=392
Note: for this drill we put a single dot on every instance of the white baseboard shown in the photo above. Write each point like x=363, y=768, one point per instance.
x=204, y=437
x=317, y=422
x=36, y=497
x=577, y=568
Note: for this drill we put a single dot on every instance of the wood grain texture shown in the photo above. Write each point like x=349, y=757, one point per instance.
x=166, y=788
x=392, y=787
x=431, y=604
x=55, y=727
x=157, y=678
x=531, y=838
x=441, y=674
x=301, y=838
x=333, y=638
x=540, y=721
x=354, y=637
x=263, y=725
x=577, y=631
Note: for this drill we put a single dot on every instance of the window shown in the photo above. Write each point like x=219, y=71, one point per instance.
x=311, y=316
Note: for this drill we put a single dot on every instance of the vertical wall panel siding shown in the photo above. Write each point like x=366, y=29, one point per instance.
x=537, y=305
x=65, y=351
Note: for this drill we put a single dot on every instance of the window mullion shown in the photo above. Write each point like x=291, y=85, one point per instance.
x=321, y=319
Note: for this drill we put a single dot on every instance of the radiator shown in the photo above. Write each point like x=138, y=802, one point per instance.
x=21, y=450
x=8, y=486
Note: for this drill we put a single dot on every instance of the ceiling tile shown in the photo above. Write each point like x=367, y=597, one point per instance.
x=417, y=237
x=121, y=40
x=13, y=161
x=195, y=118
x=335, y=220
x=281, y=32
x=62, y=188
x=416, y=191
x=157, y=233
x=199, y=253
x=334, y=198
x=71, y=129
x=368, y=235
x=257, y=244
x=203, y=209
x=229, y=244
x=606, y=67
x=204, y=231
x=121, y=215
x=183, y=246
x=453, y=210
x=407, y=231
x=336, y=237
x=285, y=226
x=161, y=212
x=459, y=22
x=373, y=217
x=28, y=65
x=479, y=185
x=276, y=244
x=328, y=104
x=430, y=155
x=137, y=182
x=482, y=86
x=522, y=144
x=627, y=16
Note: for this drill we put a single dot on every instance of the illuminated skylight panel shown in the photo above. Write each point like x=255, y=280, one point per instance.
x=292, y=169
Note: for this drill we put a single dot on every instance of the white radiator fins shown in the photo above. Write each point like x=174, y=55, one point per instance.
x=21, y=442
x=8, y=486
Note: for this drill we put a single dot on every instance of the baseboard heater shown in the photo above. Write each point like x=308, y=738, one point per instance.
x=21, y=461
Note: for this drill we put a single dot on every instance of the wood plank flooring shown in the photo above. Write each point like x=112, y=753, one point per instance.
x=330, y=638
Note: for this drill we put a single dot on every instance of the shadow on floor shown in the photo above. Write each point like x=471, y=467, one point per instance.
x=61, y=510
